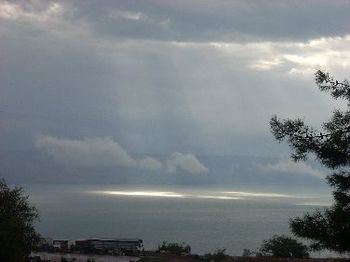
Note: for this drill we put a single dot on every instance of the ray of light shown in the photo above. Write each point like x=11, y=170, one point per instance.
x=217, y=197
x=141, y=193
x=323, y=204
x=249, y=194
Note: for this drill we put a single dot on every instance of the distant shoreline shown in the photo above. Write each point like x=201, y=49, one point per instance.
x=160, y=257
x=56, y=257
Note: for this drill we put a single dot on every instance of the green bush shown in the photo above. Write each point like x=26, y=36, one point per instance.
x=284, y=247
x=18, y=236
x=218, y=256
x=174, y=248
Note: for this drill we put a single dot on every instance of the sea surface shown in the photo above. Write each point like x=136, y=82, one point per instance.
x=206, y=218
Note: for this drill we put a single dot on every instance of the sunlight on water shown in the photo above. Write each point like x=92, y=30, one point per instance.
x=320, y=204
x=217, y=197
x=206, y=218
x=229, y=195
x=248, y=194
x=164, y=194
x=139, y=193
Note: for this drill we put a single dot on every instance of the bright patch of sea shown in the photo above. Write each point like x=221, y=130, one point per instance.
x=208, y=219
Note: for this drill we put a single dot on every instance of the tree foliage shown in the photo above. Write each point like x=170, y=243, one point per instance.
x=329, y=228
x=174, y=248
x=284, y=247
x=17, y=233
x=218, y=256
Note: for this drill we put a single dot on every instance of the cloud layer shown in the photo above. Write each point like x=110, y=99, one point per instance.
x=92, y=152
x=192, y=20
x=105, y=152
x=185, y=162
x=164, y=77
x=290, y=167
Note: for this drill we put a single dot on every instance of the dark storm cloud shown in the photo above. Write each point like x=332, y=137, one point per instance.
x=219, y=20
x=166, y=81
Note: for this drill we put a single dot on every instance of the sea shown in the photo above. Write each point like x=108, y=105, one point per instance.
x=205, y=217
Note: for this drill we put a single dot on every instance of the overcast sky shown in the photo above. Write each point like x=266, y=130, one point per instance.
x=154, y=85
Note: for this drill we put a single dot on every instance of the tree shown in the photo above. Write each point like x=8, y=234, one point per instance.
x=247, y=253
x=328, y=228
x=17, y=233
x=218, y=256
x=284, y=247
x=174, y=248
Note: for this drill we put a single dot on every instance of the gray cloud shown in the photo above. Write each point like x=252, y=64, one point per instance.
x=162, y=97
x=185, y=162
x=202, y=21
x=193, y=20
x=290, y=167
x=105, y=152
x=92, y=152
x=163, y=77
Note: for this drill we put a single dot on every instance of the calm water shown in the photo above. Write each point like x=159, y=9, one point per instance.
x=207, y=219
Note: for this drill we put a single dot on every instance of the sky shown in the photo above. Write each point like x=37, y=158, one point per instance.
x=169, y=92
